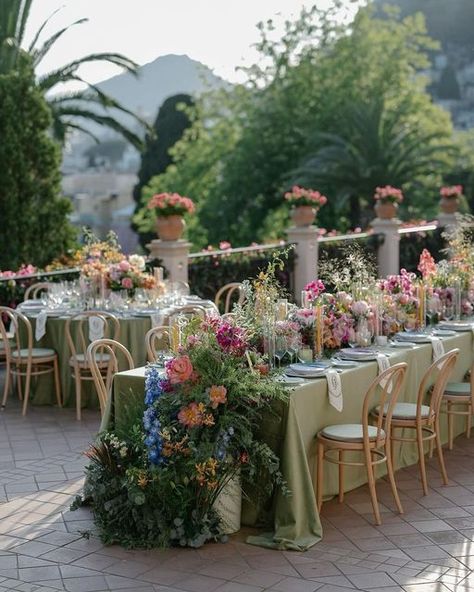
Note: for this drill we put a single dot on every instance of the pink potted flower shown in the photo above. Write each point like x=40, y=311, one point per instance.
x=305, y=204
x=170, y=209
x=387, y=199
x=450, y=196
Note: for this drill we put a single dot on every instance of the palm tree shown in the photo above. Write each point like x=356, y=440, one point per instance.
x=376, y=146
x=67, y=109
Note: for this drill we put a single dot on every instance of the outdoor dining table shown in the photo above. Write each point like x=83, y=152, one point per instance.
x=133, y=328
x=294, y=519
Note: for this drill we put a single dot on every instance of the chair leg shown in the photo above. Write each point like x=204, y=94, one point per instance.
x=319, y=480
x=391, y=475
x=439, y=449
x=450, y=426
x=372, y=490
x=392, y=450
x=341, y=477
x=57, y=382
x=19, y=386
x=77, y=381
x=468, y=421
x=26, y=394
x=6, y=388
x=421, y=454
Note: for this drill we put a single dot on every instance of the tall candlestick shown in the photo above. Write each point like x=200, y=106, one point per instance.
x=421, y=316
x=158, y=274
x=318, y=331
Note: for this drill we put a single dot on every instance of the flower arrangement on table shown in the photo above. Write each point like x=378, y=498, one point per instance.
x=400, y=301
x=158, y=482
x=129, y=274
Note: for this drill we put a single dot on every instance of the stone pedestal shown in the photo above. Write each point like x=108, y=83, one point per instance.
x=174, y=255
x=388, y=256
x=445, y=219
x=305, y=239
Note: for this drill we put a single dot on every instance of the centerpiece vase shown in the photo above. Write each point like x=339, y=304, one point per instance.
x=229, y=505
x=303, y=215
x=170, y=228
x=386, y=210
x=449, y=205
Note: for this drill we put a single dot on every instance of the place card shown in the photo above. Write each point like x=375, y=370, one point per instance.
x=335, y=389
x=438, y=348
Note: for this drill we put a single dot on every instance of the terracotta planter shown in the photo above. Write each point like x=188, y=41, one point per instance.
x=170, y=228
x=386, y=210
x=303, y=215
x=449, y=205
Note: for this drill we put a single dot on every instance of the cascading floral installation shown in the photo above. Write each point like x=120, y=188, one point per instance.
x=200, y=428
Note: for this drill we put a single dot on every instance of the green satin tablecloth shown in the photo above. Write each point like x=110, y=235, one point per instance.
x=291, y=434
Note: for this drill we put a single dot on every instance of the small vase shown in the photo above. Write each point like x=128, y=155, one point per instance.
x=170, y=228
x=449, y=205
x=229, y=505
x=303, y=215
x=386, y=210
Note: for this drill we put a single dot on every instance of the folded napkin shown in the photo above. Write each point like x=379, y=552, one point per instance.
x=383, y=364
x=96, y=328
x=334, y=389
x=438, y=348
x=40, y=329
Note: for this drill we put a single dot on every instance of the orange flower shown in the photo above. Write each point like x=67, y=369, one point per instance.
x=180, y=369
x=194, y=415
x=217, y=395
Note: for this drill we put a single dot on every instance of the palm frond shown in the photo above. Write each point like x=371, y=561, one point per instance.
x=38, y=54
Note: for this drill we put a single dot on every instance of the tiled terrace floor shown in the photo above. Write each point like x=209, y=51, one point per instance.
x=429, y=549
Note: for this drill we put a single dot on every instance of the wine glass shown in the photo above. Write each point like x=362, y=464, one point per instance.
x=433, y=307
x=280, y=348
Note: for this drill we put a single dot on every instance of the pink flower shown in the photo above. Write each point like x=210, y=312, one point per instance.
x=451, y=192
x=427, y=265
x=124, y=265
x=314, y=289
x=127, y=283
x=179, y=369
x=388, y=194
x=360, y=308
x=224, y=245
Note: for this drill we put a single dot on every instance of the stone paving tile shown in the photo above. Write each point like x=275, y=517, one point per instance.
x=430, y=548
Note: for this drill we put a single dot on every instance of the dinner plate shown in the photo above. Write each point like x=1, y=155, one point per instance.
x=456, y=326
x=338, y=363
x=413, y=337
x=359, y=354
x=290, y=380
x=402, y=344
x=443, y=332
x=145, y=313
x=304, y=373
x=32, y=304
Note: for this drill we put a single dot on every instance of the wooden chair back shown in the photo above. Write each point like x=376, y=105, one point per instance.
x=19, y=325
x=385, y=388
x=437, y=375
x=156, y=334
x=78, y=343
x=33, y=291
x=231, y=294
x=103, y=382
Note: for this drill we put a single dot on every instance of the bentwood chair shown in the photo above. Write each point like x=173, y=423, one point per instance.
x=25, y=362
x=34, y=291
x=76, y=332
x=372, y=441
x=96, y=352
x=231, y=294
x=424, y=419
x=456, y=395
x=156, y=336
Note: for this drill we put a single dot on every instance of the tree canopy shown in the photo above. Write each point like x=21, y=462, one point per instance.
x=246, y=143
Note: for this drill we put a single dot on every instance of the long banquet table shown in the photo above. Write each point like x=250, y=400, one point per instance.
x=291, y=433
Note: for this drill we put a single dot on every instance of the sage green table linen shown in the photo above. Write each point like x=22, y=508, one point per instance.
x=292, y=435
x=132, y=336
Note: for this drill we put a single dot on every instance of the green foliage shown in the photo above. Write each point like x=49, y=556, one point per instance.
x=34, y=216
x=68, y=110
x=241, y=152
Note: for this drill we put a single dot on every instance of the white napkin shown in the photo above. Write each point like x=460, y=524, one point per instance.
x=438, y=348
x=157, y=319
x=96, y=328
x=335, y=389
x=383, y=364
x=40, y=328
x=12, y=328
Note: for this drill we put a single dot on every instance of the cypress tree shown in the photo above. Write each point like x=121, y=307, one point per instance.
x=33, y=215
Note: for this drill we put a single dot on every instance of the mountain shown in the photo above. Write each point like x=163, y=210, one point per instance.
x=166, y=76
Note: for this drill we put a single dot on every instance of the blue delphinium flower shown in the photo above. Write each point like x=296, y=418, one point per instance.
x=151, y=423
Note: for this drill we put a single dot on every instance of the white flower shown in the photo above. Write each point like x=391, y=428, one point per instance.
x=123, y=451
x=137, y=261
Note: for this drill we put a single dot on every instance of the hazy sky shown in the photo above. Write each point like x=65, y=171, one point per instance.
x=218, y=33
